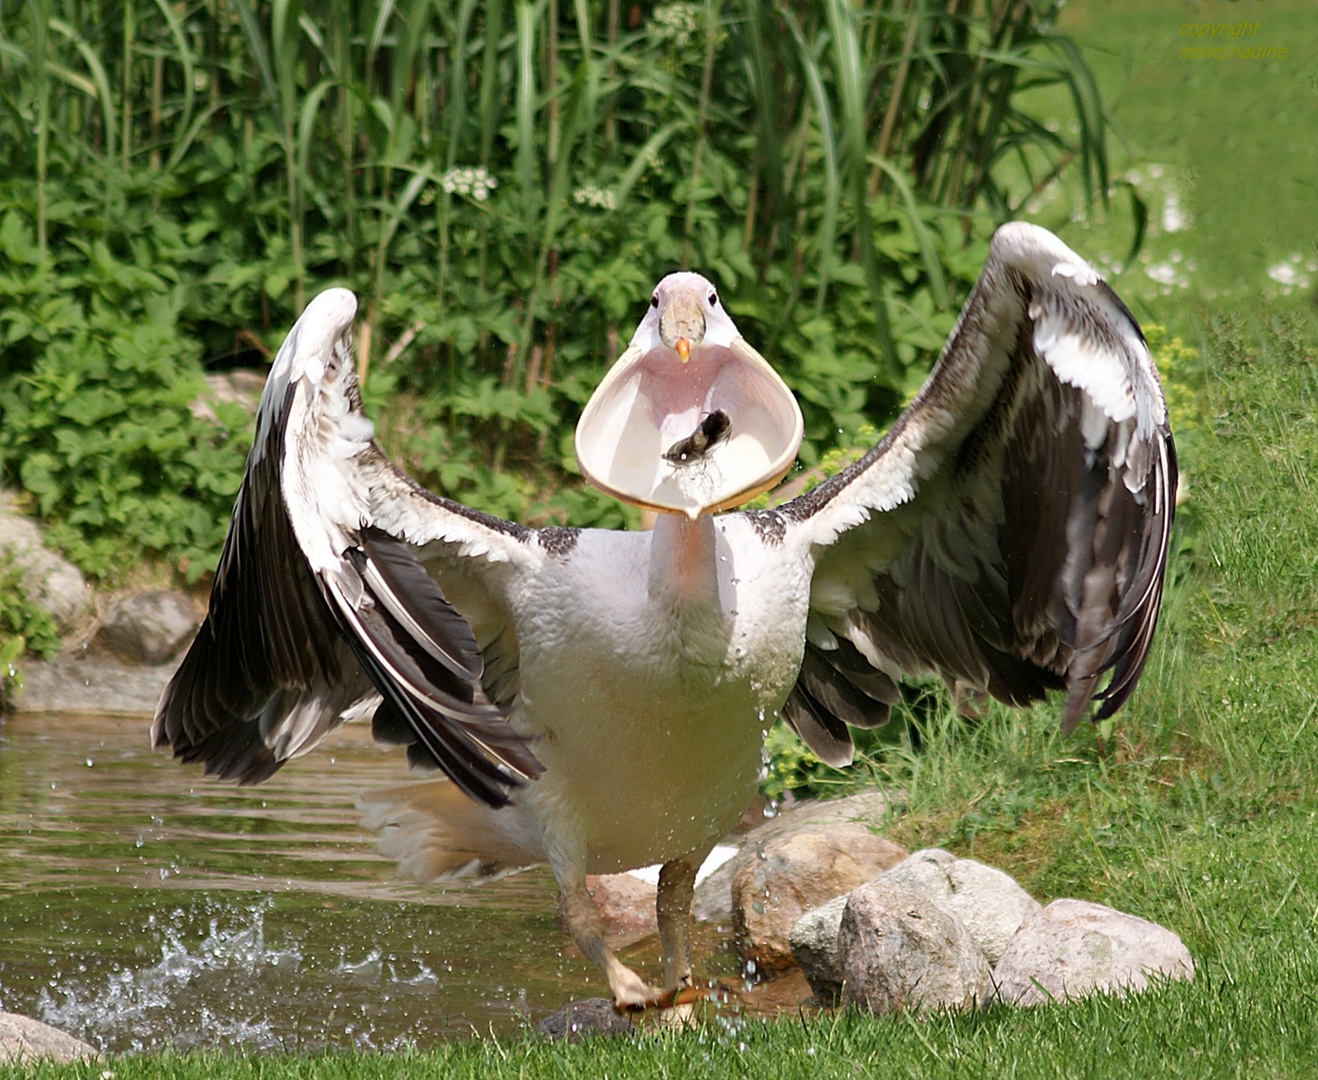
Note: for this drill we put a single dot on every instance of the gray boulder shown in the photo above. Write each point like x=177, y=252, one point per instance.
x=1073, y=948
x=814, y=943
x=149, y=627
x=24, y=1040
x=898, y=950
x=50, y=582
x=987, y=900
x=88, y=682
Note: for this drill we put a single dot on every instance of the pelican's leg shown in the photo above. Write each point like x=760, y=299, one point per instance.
x=583, y=921
x=677, y=886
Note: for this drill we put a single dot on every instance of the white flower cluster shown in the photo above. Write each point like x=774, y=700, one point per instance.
x=675, y=22
x=590, y=195
x=1291, y=274
x=469, y=180
x=1172, y=273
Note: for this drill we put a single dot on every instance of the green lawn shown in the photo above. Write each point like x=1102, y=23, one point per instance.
x=1197, y=808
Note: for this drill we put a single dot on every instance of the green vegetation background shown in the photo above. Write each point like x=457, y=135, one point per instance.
x=1197, y=807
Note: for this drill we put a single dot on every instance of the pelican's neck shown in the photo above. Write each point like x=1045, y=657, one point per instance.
x=683, y=561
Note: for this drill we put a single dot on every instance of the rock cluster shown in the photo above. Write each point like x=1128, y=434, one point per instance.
x=870, y=925
x=969, y=935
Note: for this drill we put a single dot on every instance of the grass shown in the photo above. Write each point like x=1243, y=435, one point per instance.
x=1197, y=808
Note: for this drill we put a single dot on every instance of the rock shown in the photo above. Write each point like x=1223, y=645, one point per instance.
x=899, y=949
x=626, y=907
x=713, y=901
x=51, y=583
x=1073, y=948
x=813, y=939
x=578, y=1019
x=987, y=900
x=792, y=874
x=150, y=627
x=24, y=1040
x=82, y=682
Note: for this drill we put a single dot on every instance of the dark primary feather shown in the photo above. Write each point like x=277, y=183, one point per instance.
x=1030, y=561
x=268, y=640
x=415, y=600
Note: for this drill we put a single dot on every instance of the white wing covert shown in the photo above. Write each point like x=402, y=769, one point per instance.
x=318, y=605
x=1010, y=530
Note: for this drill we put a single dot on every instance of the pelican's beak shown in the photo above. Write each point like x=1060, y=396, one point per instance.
x=689, y=426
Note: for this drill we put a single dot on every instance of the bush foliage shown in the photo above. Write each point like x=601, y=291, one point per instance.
x=501, y=183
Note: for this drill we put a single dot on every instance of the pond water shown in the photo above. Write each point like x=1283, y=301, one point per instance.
x=142, y=904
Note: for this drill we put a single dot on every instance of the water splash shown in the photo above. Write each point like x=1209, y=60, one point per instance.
x=172, y=991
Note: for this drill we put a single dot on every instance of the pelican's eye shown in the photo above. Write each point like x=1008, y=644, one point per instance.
x=713, y=299
x=654, y=300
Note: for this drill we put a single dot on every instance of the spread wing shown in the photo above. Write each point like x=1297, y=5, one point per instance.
x=320, y=606
x=1010, y=530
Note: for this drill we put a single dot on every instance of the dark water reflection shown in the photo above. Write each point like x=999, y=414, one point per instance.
x=141, y=904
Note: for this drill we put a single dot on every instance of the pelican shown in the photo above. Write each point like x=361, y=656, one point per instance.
x=598, y=699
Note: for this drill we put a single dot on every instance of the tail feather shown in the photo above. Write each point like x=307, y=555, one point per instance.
x=437, y=833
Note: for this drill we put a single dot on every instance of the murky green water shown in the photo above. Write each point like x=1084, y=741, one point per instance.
x=142, y=905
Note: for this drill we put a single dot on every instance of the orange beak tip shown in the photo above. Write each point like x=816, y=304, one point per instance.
x=683, y=347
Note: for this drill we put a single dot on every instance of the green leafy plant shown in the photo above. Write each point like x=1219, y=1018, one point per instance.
x=24, y=628
x=97, y=426
x=11, y=682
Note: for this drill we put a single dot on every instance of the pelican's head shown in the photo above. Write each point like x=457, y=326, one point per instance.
x=690, y=419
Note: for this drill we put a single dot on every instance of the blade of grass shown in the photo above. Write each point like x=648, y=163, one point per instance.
x=100, y=82
x=923, y=238
x=41, y=60
x=186, y=61
x=832, y=183
x=489, y=96
x=456, y=105
x=846, y=58
x=527, y=16
x=702, y=115
x=641, y=161
x=767, y=92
